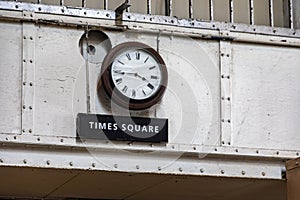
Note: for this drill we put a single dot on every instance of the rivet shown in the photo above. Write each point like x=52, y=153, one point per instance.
x=129, y=144
x=228, y=121
x=236, y=150
x=31, y=38
x=24, y=60
x=23, y=130
x=201, y=170
x=48, y=162
x=257, y=151
x=223, y=142
x=39, y=8
x=180, y=169
x=17, y=6
x=195, y=148
x=1, y=161
x=228, y=98
x=277, y=152
x=151, y=145
x=24, y=37
x=24, y=106
x=30, y=84
x=31, y=15
x=223, y=98
x=297, y=163
x=24, y=14
x=173, y=147
x=263, y=174
x=228, y=77
x=30, y=107
x=227, y=55
x=93, y=165
x=30, y=61
x=115, y=165
x=30, y=131
x=223, y=120
x=222, y=171
x=297, y=154
x=107, y=15
x=84, y=13
x=159, y=168
x=24, y=161
x=38, y=139
x=243, y=172
x=229, y=143
x=62, y=10
x=222, y=76
x=15, y=137
x=24, y=83
x=137, y=167
x=216, y=149
x=222, y=54
x=71, y=163
x=61, y=140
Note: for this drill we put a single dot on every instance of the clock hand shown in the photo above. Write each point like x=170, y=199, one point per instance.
x=131, y=73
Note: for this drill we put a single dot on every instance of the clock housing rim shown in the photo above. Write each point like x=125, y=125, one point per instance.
x=118, y=97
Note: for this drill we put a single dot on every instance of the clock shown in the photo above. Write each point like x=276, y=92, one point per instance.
x=134, y=75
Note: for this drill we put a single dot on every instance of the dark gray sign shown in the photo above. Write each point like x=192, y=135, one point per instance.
x=122, y=128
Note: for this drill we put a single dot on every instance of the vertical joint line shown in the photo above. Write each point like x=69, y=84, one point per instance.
x=211, y=10
x=105, y=4
x=88, y=106
x=39, y=1
x=231, y=10
x=61, y=2
x=271, y=13
x=158, y=42
x=251, y=9
x=191, y=9
x=168, y=5
x=128, y=8
x=291, y=15
x=83, y=3
x=149, y=7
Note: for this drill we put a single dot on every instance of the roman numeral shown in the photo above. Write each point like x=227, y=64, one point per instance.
x=138, y=55
x=128, y=56
x=119, y=81
x=125, y=88
x=146, y=59
x=150, y=68
x=150, y=86
x=154, y=77
x=144, y=92
x=133, y=94
x=121, y=62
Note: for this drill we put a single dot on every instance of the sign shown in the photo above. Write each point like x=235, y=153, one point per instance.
x=122, y=128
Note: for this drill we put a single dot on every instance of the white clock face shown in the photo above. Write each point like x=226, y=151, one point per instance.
x=136, y=74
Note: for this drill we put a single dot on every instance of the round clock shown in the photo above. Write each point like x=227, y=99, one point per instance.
x=134, y=75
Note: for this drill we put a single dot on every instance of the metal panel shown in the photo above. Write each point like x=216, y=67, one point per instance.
x=60, y=90
x=202, y=89
x=10, y=81
x=266, y=93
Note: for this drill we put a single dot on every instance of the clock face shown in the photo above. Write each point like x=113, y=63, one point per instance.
x=134, y=75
